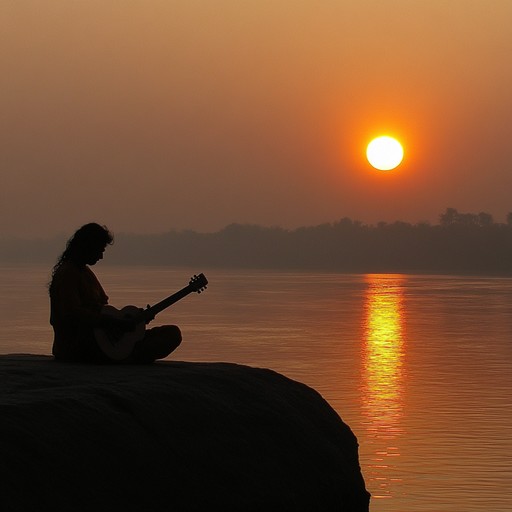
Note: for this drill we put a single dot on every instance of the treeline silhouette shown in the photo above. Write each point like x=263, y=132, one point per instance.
x=461, y=243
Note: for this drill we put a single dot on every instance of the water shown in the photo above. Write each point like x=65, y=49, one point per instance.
x=418, y=366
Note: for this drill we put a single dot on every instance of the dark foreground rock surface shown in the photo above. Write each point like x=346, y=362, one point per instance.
x=171, y=436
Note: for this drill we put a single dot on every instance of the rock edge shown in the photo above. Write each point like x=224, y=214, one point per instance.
x=170, y=436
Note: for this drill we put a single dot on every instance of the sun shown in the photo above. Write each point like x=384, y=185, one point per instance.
x=384, y=153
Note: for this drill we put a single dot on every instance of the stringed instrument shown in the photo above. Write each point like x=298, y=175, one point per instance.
x=118, y=344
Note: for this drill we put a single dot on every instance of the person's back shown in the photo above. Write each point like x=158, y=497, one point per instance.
x=76, y=299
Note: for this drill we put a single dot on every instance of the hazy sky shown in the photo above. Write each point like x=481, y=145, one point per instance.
x=151, y=115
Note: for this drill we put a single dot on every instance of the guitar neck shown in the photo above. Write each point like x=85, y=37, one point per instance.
x=152, y=311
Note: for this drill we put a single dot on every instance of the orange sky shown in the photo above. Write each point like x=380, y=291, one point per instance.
x=150, y=115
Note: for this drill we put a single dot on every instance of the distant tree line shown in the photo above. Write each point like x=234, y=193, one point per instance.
x=461, y=243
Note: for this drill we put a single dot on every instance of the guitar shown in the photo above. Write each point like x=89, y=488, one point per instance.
x=118, y=345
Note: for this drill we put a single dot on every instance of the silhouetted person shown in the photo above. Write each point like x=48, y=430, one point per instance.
x=76, y=301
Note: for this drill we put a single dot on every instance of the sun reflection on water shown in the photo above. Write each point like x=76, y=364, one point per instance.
x=383, y=376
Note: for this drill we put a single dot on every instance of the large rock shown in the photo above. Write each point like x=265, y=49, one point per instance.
x=171, y=436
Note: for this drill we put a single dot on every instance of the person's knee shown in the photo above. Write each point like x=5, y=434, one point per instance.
x=173, y=332
x=177, y=331
x=171, y=335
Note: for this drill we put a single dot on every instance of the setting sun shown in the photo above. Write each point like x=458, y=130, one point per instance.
x=384, y=153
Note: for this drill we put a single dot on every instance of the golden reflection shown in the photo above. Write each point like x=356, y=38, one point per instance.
x=383, y=371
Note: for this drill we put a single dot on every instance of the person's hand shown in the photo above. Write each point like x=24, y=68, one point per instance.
x=147, y=316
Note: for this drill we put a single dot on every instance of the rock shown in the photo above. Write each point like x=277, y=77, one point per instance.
x=171, y=436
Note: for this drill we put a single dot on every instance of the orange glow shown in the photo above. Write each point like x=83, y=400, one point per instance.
x=383, y=370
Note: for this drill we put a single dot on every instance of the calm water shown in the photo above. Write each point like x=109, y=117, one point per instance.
x=418, y=366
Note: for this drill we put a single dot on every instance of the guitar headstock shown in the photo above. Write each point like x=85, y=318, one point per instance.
x=198, y=283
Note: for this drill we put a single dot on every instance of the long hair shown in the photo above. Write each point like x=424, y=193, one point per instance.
x=89, y=235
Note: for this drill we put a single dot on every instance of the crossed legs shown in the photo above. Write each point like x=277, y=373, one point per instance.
x=157, y=343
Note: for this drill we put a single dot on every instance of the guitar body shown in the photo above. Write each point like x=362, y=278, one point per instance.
x=119, y=345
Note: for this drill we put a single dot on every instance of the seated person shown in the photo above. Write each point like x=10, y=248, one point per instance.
x=77, y=299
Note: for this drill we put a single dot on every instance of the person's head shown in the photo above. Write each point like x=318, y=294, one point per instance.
x=88, y=243
x=85, y=247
